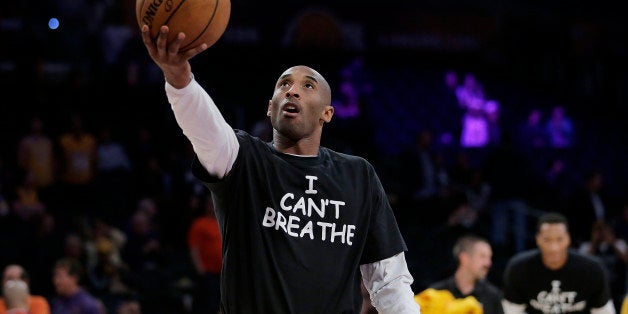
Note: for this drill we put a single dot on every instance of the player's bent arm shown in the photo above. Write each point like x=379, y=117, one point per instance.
x=212, y=138
x=388, y=283
x=608, y=308
x=513, y=308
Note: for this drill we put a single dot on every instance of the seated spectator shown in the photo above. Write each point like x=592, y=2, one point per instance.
x=471, y=99
x=104, y=264
x=27, y=204
x=560, y=129
x=35, y=154
x=34, y=303
x=589, y=202
x=613, y=252
x=71, y=296
x=16, y=296
x=532, y=134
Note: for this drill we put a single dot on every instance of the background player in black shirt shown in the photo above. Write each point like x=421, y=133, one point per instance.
x=555, y=278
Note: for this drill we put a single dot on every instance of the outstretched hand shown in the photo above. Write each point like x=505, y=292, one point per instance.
x=174, y=63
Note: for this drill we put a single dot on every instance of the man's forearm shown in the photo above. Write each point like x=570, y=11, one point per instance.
x=388, y=283
x=212, y=138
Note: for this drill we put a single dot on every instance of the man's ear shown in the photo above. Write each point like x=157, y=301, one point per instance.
x=328, y=113
x=268, y=109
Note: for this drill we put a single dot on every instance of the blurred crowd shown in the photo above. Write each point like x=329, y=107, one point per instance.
x=122, y=200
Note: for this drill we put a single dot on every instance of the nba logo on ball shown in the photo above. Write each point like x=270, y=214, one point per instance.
x=202, y=21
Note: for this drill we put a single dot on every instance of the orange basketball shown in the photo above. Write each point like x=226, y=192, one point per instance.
x=202, y=21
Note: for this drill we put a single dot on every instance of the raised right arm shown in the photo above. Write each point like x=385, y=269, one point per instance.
x=213, y=140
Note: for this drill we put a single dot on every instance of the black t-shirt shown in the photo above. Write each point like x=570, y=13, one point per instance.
x=485, y=292
x=581, y=284
x=295, y=229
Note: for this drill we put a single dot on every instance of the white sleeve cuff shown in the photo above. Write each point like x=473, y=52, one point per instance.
x=512, y=308
x=608, y=308
x=388, y=283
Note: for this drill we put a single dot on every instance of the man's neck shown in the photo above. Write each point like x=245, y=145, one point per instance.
x=304, y=147
x=465, y=282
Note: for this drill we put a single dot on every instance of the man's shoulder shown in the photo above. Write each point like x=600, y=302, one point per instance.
x=85, y=295
x=489, y=287
x=242, y=134
x=251, y=142
x=244, y=137
x=446, y=283
x=525, y=256
x=525, y=261
x=586, y=260
x=340, y=156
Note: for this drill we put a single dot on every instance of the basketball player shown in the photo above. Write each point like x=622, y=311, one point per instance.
x=554, y=278
x=301, y=224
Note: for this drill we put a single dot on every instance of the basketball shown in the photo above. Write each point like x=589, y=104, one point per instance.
x=202, y=21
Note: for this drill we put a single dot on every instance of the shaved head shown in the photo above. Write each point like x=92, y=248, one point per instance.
x=315, y=76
